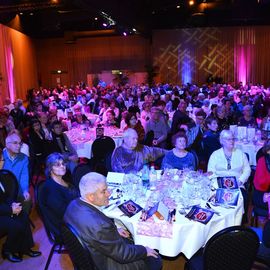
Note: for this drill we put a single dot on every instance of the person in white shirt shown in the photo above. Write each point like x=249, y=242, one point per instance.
x=229, y=161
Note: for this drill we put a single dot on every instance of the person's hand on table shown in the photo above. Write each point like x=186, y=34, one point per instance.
x=151, y=252
x=124, y=233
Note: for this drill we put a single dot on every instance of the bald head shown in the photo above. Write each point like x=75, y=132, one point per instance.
x=130, y=138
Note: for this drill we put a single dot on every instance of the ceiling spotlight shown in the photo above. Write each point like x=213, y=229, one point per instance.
x=134, y=29
x=125, y=34
x=191, y=2
x=96, y=18
x=105, y=24
x=178, y=6
x=21, y=13
x=31, y=14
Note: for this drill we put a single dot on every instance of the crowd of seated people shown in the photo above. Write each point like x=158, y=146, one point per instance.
x=156, y=113
x=181, y=124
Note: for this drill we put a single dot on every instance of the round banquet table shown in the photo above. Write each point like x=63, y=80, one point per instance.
x=182, y=236
x=82, y=140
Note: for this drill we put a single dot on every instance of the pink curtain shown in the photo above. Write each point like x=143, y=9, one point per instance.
x=6, y=65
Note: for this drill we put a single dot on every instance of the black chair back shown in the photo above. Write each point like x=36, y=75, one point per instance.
x=195, y=158
x=40, y=193
x=266, y=234
x=76, y=248
x=233, y=248
x=57, y=243
x=101, y=147
x=259, y=154
x=10, y=184
x=79, y=172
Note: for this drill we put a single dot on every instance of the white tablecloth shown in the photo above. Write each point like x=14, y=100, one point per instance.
x=82, y=140
x=188, y=236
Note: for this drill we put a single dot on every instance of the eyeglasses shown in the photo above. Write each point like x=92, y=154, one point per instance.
x=229, y=139
x=16, y=143
x=58, y=164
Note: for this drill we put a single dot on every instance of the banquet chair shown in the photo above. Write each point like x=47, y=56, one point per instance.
x=78, y=252
x=101, y=149
x=148, y=138
x=232, y=248
x=259, y=154
x=196, y=158
x=57, y=244
x=10, y=183
x=256, y=213
x=79, y=171
x=36, y=165
x=102, y=146
x=263, y=255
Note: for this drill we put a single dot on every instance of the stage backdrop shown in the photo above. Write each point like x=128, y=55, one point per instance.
x=90, y=55
x=232, y=53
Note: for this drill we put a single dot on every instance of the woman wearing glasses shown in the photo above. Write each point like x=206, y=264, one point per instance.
x=58, y=193
x=229, y=161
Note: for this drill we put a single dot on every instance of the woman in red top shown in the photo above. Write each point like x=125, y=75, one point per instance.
x=262, y=177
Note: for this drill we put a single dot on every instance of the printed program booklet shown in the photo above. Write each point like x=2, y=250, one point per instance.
x=130, y=208
x=200, y=214
x=228, y=182
x=227, y=196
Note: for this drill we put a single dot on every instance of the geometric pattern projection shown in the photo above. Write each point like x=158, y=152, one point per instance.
x=216, y=58
x=218, y=61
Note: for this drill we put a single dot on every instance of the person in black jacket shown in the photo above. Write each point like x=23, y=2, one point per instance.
x=109, y=247
x=57, y=193
x=15, y=223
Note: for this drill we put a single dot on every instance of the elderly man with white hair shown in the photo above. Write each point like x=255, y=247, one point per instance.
x=131, y=156
x=108, y=248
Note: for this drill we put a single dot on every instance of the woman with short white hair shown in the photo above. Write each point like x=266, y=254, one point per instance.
x=229, y=161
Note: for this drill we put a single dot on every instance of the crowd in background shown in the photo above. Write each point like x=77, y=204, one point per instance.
x=156, y=113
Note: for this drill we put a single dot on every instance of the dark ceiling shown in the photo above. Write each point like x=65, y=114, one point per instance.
x=52, y=18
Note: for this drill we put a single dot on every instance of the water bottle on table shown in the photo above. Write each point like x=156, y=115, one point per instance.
x=145, y=176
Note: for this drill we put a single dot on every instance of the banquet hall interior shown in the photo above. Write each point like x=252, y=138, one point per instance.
x=179, y=73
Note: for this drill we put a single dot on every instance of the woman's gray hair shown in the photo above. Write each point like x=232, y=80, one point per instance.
x=51, y=160
x=90, y=183
x=225, y=134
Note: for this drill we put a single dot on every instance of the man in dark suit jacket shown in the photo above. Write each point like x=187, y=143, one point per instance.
x=180, y=117
x=110, y=248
